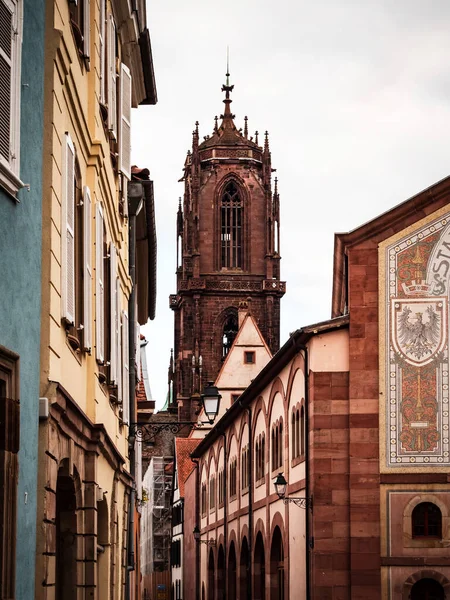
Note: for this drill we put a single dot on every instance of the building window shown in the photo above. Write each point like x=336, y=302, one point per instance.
x=175, y=553
x=231, y=209
x=298, y=432
x=212, y=492
x=302, y=431
x=177, y=515
x=233, y=478
x=277, y=445
x=9, y=448
x=244, y=468
x=204, y=500
x=80, y=22
x=221, y=488
x=230, y=330
x=234, y=398
x=260, y=449
x=249, y=358
x=76, y=270
x=10, y=60
x=426, y=521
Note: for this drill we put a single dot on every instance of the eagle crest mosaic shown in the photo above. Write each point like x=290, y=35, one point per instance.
x=417, y=333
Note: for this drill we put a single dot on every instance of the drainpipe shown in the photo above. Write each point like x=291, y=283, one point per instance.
x=250, y=504
x=135, y=193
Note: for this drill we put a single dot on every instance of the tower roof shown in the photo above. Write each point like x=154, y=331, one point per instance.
x=227, y=134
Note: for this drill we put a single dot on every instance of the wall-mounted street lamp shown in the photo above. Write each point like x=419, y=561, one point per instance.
x=280, y=484
x=197, y=534
x=211, y=401
x=146, y=432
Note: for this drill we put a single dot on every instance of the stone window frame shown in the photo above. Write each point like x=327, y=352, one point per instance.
x=249, y=357
x=408, y=540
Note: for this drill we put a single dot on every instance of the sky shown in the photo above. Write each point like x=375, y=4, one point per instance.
x=355, y=96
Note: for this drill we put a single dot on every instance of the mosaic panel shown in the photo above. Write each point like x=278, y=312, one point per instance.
x=417, y=333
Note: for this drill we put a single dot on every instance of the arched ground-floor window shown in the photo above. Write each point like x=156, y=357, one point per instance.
x=277, y=566
x=259, y=569
x=427, y=589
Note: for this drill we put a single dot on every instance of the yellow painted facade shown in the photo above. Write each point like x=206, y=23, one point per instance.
x=84, y=482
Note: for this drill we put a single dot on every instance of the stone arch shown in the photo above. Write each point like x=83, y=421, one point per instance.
x=425, y=574
x=232, y=570
x=411, y=505
x=257, y=409
x=221, y=573
x=211, y=574
x=67, y=530
x=277, y=565
x=277, y=387
x=244, y=567
x=259, y=567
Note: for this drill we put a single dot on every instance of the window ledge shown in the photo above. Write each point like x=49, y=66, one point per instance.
x=297, y=460
x=9, y=181
x=260, y=481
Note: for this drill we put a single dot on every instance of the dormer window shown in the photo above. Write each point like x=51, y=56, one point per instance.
x=231, y=222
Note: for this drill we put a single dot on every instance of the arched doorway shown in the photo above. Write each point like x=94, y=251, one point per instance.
x=427, y=589
x=277, y=566
x=259, y=569
x=243, y=570
x=232, y=572
x=66, y=538
x=211, y=575
x=221, y=574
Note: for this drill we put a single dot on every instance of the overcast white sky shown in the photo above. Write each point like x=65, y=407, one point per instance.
x=355, y=96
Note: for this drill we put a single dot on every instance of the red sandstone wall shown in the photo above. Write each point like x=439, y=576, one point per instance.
x=364, y=478
x=189, y=545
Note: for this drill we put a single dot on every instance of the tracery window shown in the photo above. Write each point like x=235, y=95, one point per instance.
x=426, y=521
x=231, y=222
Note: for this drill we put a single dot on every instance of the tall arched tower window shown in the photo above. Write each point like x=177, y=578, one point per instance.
x=231, y=223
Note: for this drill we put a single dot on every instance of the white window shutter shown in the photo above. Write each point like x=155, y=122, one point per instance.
x=138, y=352
x=112, y=91
x=87, y=268
x=118, y=343
x=68, y=232
x=6, y=64
x=125, y=121
x=87, y=31
x=101, y=48
x=113, y=307
x=125, y=370
x=99, y=286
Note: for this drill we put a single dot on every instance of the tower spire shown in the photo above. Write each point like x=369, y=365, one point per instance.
x=227, y=117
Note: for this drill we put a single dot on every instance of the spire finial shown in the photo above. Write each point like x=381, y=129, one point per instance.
x=228, y=66
x=256, y=137
x=227, y=88
x=216, y=127
x=266, y=140
x=276, y=187
x=245, y=127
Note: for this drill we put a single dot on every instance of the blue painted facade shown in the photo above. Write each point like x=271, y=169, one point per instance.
x=20, y=284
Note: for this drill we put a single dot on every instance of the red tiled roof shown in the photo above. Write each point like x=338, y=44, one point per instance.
x=183, y=449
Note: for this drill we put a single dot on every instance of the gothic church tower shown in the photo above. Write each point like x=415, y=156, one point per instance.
x=228, y=242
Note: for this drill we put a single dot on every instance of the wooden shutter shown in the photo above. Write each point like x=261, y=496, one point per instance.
x=118, y=343
x=86, y=30
x=6, y=76
x=87, y=261
x=113, y=307
x=68, y=232
x=125, y=370
x=138, y=352
x=125, y=121
x=112, y=91
x=99, y=286
x=101, y=47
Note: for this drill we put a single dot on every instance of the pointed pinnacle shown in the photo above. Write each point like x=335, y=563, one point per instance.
x=246, y=127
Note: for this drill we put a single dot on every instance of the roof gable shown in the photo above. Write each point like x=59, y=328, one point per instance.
x=184, y=465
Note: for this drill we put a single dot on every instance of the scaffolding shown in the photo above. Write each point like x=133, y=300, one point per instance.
x=156, y=519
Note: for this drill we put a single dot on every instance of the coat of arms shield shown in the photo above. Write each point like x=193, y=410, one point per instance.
x=418, y=328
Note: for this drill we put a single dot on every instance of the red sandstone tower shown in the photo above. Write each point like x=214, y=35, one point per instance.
x=228, y=253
